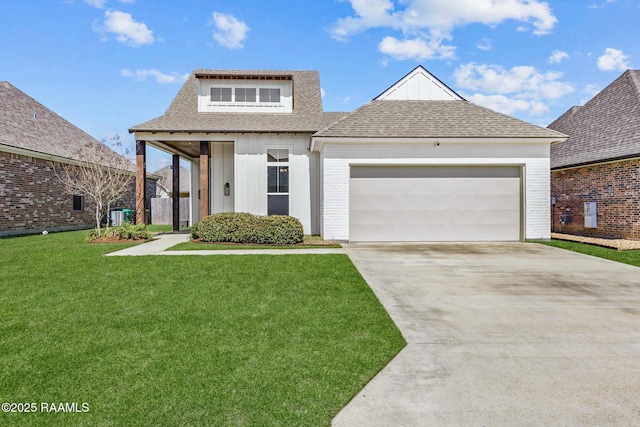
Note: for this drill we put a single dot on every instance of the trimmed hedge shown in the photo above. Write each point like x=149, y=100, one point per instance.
x=242, y=227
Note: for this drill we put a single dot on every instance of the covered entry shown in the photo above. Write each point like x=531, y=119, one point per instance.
x=435, y=203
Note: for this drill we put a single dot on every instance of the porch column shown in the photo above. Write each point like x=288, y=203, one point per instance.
x=204, y=179
x=176, y=192
x=141, y=180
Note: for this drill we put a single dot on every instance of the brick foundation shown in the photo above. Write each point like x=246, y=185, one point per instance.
x=616, y=189
x=32, y=199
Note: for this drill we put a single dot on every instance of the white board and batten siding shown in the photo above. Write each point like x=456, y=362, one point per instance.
x=531, y=159
x=205, y=105
x=251, y=176
x=419, y=85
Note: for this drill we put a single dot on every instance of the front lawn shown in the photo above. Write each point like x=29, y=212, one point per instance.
x=223, y=340
x=628, y=257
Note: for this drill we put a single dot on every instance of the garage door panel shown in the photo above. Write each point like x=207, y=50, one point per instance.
x=441, y=206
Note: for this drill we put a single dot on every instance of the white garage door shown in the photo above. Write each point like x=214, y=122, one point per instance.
x=435, y=203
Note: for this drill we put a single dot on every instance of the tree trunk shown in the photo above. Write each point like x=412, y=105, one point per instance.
x=98, y=219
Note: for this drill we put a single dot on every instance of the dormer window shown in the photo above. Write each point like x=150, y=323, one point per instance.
x=269, y=95
x=245, y=94
x=220, y=94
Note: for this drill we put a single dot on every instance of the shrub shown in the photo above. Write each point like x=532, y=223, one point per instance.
x=126, y=231
x=242, y=227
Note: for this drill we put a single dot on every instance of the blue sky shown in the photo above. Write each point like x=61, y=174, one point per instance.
x=107, y=65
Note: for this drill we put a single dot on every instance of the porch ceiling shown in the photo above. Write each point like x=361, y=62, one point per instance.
x=191, y=148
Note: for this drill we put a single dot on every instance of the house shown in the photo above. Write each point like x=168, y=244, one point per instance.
x=164, y=186
x=161, y=203
x=34, y=142
x=417, y=163
x=595, y=174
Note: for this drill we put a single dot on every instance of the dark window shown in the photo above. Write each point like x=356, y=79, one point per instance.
x=269, y=95
x=245, y=94
x=278, y=179
x=278, y=204
x=78, y=203
x=220, y=94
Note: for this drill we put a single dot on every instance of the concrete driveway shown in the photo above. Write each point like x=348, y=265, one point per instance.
x=502, y=334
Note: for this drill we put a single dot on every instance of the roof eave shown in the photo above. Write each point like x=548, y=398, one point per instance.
x=318, y=141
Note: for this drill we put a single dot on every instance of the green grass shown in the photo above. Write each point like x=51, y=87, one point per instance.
x=628, y=257
x=162, y=228
x=191, y=246
x=224, y=340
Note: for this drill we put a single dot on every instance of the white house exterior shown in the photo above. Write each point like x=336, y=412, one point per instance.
x=418, y=163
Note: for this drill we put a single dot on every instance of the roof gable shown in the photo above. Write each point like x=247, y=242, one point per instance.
x=606, y=128
x=182, y=115
x=28, y=125
x=419, y=85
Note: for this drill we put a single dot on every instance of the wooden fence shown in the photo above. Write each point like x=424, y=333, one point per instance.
x=162, y=211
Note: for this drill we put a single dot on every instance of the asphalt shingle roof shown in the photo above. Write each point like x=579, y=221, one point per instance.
x=431, y=119
x=29, y=125
x=605, y=128
x=166, y=178
x=183, y=115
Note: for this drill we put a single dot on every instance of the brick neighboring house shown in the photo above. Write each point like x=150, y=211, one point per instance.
x=33, y=139
x=599, y=163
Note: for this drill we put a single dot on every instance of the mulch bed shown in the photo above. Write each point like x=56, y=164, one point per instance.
x=619, y=244
x=104, y=239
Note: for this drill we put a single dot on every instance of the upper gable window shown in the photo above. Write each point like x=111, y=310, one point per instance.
x=220, y=94
x=269, y=95
x=245, y=94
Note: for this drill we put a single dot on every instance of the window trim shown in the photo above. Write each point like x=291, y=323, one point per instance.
x=276, y=163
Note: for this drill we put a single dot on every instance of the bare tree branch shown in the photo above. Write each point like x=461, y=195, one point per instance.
x=103, y=175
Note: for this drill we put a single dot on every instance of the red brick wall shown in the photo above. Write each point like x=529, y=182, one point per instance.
x=32, y=199
x=616, y=189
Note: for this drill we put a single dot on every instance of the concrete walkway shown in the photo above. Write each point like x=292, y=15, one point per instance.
x=502, y=335
x=165, y=241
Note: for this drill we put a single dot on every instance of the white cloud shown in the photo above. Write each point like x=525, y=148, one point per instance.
x=507, y=105
x=590, y=91
x=126, y=30
x=484, y=44
x=430, y=22
x=526, y=81
x=96, y=3
x=160, y=77
x=323, y=93
x=521, y=88
x=417, y=49
x=230, y=32
x=100, y=4
x=613, y=59
x=557, y=56
x=600, y=5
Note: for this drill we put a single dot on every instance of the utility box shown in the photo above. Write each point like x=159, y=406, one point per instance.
x=590, y=215
x=117, y=218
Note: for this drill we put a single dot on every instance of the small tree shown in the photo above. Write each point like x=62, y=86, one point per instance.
x=102, y=173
